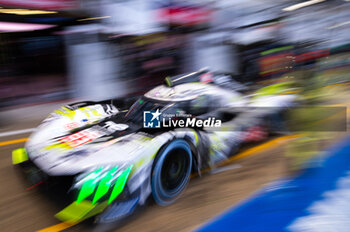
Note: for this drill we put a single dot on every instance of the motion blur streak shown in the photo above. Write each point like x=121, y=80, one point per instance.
x=13, y=27
x=265, y=146
x=58, y=227
x=16, y=132
x=303, y=4
x=13, y=141
x=256, y=150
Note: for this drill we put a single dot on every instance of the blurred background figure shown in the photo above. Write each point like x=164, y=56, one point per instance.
x=100, y=49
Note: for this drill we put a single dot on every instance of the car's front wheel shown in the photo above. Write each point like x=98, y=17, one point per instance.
x=171, y=172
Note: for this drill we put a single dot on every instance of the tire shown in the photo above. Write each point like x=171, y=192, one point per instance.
x=171, y=172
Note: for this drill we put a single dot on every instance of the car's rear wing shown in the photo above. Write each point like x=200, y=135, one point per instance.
x=186, y=78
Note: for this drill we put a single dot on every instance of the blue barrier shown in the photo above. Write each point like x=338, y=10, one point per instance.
x=298, y=204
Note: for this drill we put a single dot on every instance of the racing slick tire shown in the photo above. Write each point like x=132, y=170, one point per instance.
x=171, y=172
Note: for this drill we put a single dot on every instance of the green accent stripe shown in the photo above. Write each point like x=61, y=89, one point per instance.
x=276, y=50
x=105, y=184
x=19, y=156
x=119, y=185
x=168, y=81
x=89, y=185
x=195, y=136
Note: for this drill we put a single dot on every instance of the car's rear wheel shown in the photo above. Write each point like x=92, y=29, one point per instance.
x=171, y=172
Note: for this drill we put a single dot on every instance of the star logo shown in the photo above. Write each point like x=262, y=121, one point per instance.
x=156, y=115
x=151, y=119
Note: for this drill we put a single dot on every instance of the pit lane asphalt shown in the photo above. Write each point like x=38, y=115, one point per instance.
x=20, y=210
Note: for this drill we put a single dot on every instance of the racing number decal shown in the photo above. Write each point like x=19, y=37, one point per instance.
x=66, y=112
x=85, y=110
x=85, y=136
x=80, y=138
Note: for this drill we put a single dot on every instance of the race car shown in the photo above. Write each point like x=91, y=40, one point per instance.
x=107, y=161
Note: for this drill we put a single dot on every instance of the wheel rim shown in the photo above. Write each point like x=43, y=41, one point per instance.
x=171, y=172
x=174, y=170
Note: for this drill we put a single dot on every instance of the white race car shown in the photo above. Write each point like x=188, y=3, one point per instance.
x=106, y=162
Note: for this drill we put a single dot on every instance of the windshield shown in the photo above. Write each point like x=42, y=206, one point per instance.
x=197, y=106
x=135, y=113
